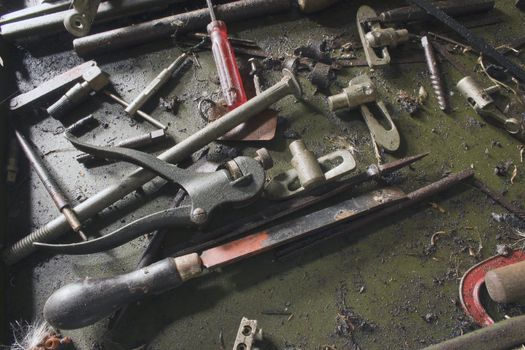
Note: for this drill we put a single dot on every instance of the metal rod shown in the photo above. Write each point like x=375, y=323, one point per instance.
x=50, y=185
x=165, y=27
x=140, y=113
x=100, y=201
x=212, y=11
x=435, y=75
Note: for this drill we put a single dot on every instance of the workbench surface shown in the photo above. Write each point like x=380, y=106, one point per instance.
x=388, y=281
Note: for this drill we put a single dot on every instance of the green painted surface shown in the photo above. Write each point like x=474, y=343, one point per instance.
x=386, y=274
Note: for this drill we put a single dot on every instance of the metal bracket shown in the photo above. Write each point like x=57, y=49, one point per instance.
x=377, y=40
x=308, y=172
x=360, y=91
x=247, y=335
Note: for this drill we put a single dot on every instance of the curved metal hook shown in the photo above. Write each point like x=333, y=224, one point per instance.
x=170, y=217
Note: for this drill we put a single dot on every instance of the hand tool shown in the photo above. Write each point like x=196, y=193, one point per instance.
x=472, y=39
x=52, y=23
x=34, y=11
x=80, y=20
x=52, y=230
x=473, y=280
x=506, y=284
x=181, y=23
x=49, y=88
x=237, y=183
x=50, y=185
x=225, y=61
x=308, y=172
x=155, y=85
x=452, y=8
x=504, y=335
x=248, y=335
x=412, y=198
x=481, y=101
x=79, y=304
x=136, y=142
x=148, y=118
x=94, y=80
x=377, y=40
x=360, y=91
x=435, y=74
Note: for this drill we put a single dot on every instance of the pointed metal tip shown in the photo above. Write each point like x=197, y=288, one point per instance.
x=401, y=163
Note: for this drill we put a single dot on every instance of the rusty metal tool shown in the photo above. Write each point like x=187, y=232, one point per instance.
x=435, y=74
x=474, y=279
x=471, y=38
x=66, y=308
x=50, y=88
x=148, y=118
x=504, y=335
x=452, y=8
x=50, y=185
x=236, y=183
x=288, y=85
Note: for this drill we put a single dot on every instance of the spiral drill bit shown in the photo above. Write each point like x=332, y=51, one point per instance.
x=435, y=75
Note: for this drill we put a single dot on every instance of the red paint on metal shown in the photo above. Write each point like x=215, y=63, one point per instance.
x=233, y=251
x=473, y=281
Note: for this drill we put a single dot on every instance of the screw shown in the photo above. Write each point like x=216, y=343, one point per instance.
x=199, y=216
x=435, y=75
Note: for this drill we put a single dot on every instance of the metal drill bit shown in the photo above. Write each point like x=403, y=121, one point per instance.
x=435, y=75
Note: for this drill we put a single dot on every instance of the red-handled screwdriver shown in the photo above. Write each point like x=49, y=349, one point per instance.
x=229, y=76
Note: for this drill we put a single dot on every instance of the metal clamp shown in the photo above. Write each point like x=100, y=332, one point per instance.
x=248, y=335
x=377, y=40
x=481, y=101
x=308, y=172
x=360, y=91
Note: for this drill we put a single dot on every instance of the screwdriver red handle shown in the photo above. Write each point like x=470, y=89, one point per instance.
x=229, y=76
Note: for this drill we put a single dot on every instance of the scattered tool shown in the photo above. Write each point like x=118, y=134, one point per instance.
x=50, y=185
x=66, y=308
x=155, y=85
x=452, y=8
x=287, y=86
x=474, y=279
x=504, y=335
x=50, y=88
x=80, y=20
x=94, y=80
x=377, y=40
x=248, y=335
x=360, y=91
x=146, y=117
x=435, y=74
x=506, y=284
x=137, y=142
x=481, y=101
x=308, y=172
x=34, y=11
x=238, y=182
x=227, y=68
x=472, y=39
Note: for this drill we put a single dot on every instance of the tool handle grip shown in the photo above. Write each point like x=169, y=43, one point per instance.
x=229, y=75
x=82, y=303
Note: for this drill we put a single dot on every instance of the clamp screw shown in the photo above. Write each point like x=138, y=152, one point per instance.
x=199, y=216
x=264, y=157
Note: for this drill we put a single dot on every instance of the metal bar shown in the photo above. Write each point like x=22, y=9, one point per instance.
x=435, y=74
x=100, y=201
x=34, y=11
x=180, y=23
x=476, y=42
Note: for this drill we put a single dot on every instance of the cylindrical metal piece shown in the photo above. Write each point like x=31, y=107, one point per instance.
x=140, y=113
x=435, y=75
x=50, y=185
x=155, y=85
x=476, y=96
x=386, y=37
x=506, y=284
x=78, y=93
x=180, y=23
x=353, y=96
x=94, y=204
x=306, y=165
x=503, y=335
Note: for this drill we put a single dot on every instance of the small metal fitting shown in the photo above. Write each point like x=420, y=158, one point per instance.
x=199, y=216
x=306, y=164
x=264, y=157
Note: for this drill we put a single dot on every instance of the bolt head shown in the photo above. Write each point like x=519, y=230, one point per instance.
x=199, y=216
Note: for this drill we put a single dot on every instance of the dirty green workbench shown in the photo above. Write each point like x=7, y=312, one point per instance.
x=398, y=290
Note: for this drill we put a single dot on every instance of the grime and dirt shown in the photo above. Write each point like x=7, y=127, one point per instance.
x=393, y=284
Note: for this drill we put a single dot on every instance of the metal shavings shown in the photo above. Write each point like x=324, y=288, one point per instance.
x=521, y=148
x=407, y=102
x=434, y=237
x=437, y=207
x=514, y=174
x=422, y=95
x=1, y=62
